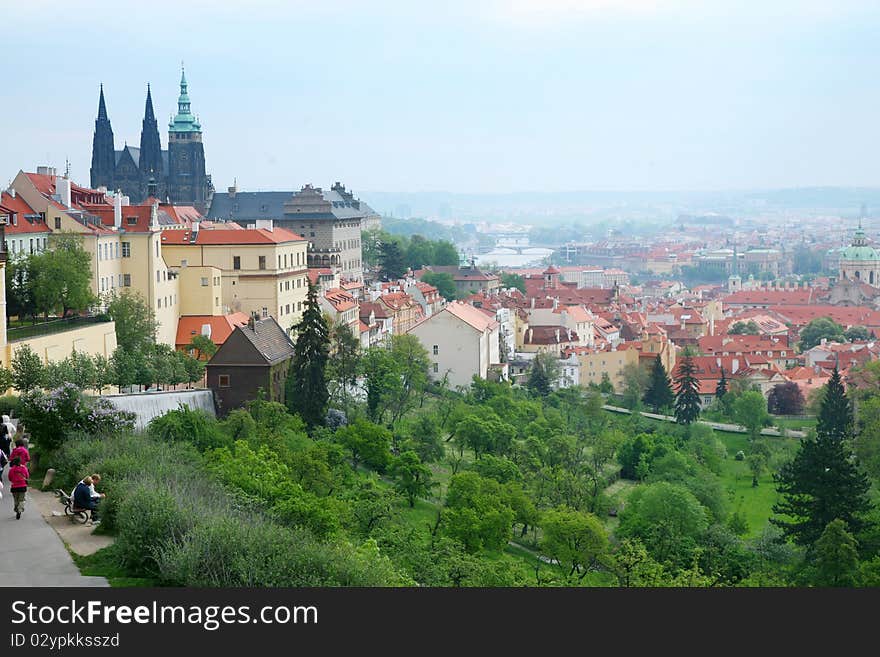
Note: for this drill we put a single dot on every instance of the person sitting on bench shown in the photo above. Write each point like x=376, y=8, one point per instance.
x=85, y=497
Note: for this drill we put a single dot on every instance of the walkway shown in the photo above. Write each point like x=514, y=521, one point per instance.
x=720, y=426
x=33, y=554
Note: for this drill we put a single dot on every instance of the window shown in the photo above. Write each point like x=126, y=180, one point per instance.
x=158, y=277
x=281, y=287
x=236, y=262
x=126, y=280
x=32, y=244
x=262, y=264
x=185, y=263
x=287, y=285
x=117, y=249
x=285, y=260
x=131, y=221
x=204, y=281
x=279, y=261
x=265, y=312
x=436, y=367
x=57, y=223
x=287, y=308
x=120, y=280
x=126, y=249
x=436, y=349
x=223, y=380
x=298, y=306
x=157, y=249
x=216, y=301
x=159, y=304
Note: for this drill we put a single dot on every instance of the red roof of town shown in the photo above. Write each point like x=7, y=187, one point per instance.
x=221, y=327
x=232, y=237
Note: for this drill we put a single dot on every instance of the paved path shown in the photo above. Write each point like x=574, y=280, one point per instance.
x=33, y=554
x=721, y=426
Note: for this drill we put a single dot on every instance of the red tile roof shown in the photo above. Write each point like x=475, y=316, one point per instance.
x=231, y=237
x=222, y=327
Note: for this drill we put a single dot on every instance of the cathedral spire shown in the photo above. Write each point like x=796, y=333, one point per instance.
x=184, y=121
x=102, y=108
x=148, y=110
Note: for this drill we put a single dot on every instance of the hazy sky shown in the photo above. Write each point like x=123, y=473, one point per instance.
x=460, y=95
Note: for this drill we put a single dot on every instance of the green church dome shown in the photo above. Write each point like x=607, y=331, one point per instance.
x=859, y=250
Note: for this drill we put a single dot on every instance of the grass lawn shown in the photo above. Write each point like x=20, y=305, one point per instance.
x=103, y=563
x=800, y=424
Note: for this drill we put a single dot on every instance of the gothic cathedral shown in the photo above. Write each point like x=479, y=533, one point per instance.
x=176, y=175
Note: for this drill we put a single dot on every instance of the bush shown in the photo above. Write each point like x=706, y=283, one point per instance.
x=740, y=456
x=9, y=405
x=185, y=424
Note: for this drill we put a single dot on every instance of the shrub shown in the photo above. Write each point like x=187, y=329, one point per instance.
x=740, y=456
x=9, y=405
x=185, y=424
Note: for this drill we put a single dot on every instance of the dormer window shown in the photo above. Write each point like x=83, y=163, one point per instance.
x=131, y=221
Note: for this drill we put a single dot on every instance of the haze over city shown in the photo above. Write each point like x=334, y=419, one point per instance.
x=547, y=95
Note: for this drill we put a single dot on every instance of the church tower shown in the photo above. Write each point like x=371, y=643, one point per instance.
x=103, y=156
x=187, y=182
x=150, y=163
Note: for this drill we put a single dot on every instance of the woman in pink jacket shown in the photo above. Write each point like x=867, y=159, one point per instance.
x=18, y=481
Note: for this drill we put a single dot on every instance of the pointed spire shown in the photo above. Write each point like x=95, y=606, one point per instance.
x=148, y=110
x=102, y=108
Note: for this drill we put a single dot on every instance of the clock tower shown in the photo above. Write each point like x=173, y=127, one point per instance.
x=188, y=183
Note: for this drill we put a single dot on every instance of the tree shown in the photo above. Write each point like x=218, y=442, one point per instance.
x=509, y=280
x=866, y=442
x=750, y=410
x=785, y=399
x=135, y=321
x=82, y=370
x=821, y=327
x=721, y=388
x=203, y=346
x=5, y=378
x=445, y=254
x=413, y=479
x=744, y=328
x=194, y=369
x=822, y=483
x=756, y=462
x=605, y=385
x=687, y=391
x=574, y=538
x=659, y=394
x=444, y=283
x=62, y=276
x=476, y=513
x=667, y=518
x=344, y=363
x=634, y=381
x=103, y=372
x=27, y=369
x=19, y=287
x=835, y=415
x=857, y=334
x=306, y=387
x=391, y=261
x=543, y=374
x=366, y=442
x=419, y=252
x=837, y=557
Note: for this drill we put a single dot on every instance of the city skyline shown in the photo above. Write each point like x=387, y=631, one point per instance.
x=495, y=97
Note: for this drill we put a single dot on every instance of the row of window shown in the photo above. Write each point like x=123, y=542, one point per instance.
x=33, y=243
x=170, y=300
x=285, y=286
x=284, y=260
x=106, y=251
x=348, y=244
x=110, y=283
x=206, y=281
x=286, y=308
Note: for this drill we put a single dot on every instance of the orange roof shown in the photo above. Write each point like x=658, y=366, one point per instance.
x=340, y=299
x=471, y=316
x=232, y=237
x=221, y=327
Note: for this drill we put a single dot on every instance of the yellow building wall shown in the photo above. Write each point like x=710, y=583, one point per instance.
x=93, y=339
x=201, y=291
x=593, y=366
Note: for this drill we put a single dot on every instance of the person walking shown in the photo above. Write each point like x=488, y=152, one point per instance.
x=18, y=482
x=5, y=448
x=21, y=452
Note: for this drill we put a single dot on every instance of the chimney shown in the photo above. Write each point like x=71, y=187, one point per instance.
x=62, y=188
x=117, y=209
x=557, y=336
x=264, y=223
x=234, y=189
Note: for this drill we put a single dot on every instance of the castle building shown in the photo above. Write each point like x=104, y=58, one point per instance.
x=860, y=262
x=176, y=175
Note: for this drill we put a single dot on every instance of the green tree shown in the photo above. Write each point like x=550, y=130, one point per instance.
x=822, y=483
x=135, y=321
x=516, y=281
x=575, y=539
x=82, y=370
x=667, y=518
x=837, y=557
x=344, y=363
x=866, y=442
x=5, y=379
x=203, y=346
x=413, y=479
x=366, y=442
x=27, y=369
x=543, y=374
x=635, y=379
x=721, y=388
x=306, y=387
x=194, y=369
x=857, y=334
x=419, y=252
x=103, y=372
x=757, y=462
x=62, y=276
x=819, y=328
x=444, y=283
x=687, y=391
x=835, y=415
x=445, y=254
x=605, y=385
x=391, y=261
x=659, y=393
x=745, y=328
x=20, y=287
x=476, y=513
x=750, y=410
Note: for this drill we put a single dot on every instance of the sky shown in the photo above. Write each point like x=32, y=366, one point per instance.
x=463, y=96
